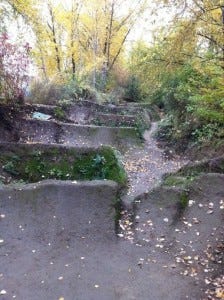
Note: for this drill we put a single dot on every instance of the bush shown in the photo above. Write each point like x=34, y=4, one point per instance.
x=207, y=133
x=54, y=91
x=132, y=90
x=45, y=92
x=193, y=102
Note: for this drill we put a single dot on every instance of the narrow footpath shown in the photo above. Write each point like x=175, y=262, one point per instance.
x=146, y=164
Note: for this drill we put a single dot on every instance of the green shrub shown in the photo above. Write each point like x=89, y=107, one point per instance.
x=193, y=102
x=206, y=132
x=132, y=90
x=51, y=92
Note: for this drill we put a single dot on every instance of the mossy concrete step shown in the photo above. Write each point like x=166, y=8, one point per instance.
x=35, y=162
x=104, y=108
x=93, y=114
x=79, y=125
x=116, y=116
x=102, y=119
x=77, y=135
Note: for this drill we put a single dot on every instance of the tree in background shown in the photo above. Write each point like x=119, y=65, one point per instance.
x=79, y=38
x=14, y=66
x=182, y=72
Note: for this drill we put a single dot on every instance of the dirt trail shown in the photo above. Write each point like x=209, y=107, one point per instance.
x=146, y=164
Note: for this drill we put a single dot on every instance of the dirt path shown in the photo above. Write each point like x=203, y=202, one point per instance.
x=146, y=164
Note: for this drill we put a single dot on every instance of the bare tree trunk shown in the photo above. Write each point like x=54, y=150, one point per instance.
x=73, y=66
x=95, y=46
x=222, y=9
x=107, y=46
x=72, y=37
x=53, y=30
x=109, y=35
x=42, y=62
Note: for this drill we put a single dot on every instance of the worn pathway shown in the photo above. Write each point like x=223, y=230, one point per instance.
x=145, y=165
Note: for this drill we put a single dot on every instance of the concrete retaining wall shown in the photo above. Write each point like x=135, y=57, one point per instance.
x=76, y=135
x=58, y=209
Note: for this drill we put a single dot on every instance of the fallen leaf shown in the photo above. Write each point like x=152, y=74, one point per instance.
x=3, y=292
x=219, y=292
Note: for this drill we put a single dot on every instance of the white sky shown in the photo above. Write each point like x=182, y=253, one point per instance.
x=143, y=28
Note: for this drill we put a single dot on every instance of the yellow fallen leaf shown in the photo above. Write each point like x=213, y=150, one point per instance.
x=219, y=293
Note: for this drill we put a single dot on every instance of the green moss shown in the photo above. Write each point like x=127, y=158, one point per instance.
x=97, y=122
x=63, y=164
x=103, y=165
x=117, y=207
x=174, y=180
x=128, y=133
x=184, y=198
x=59, y=113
